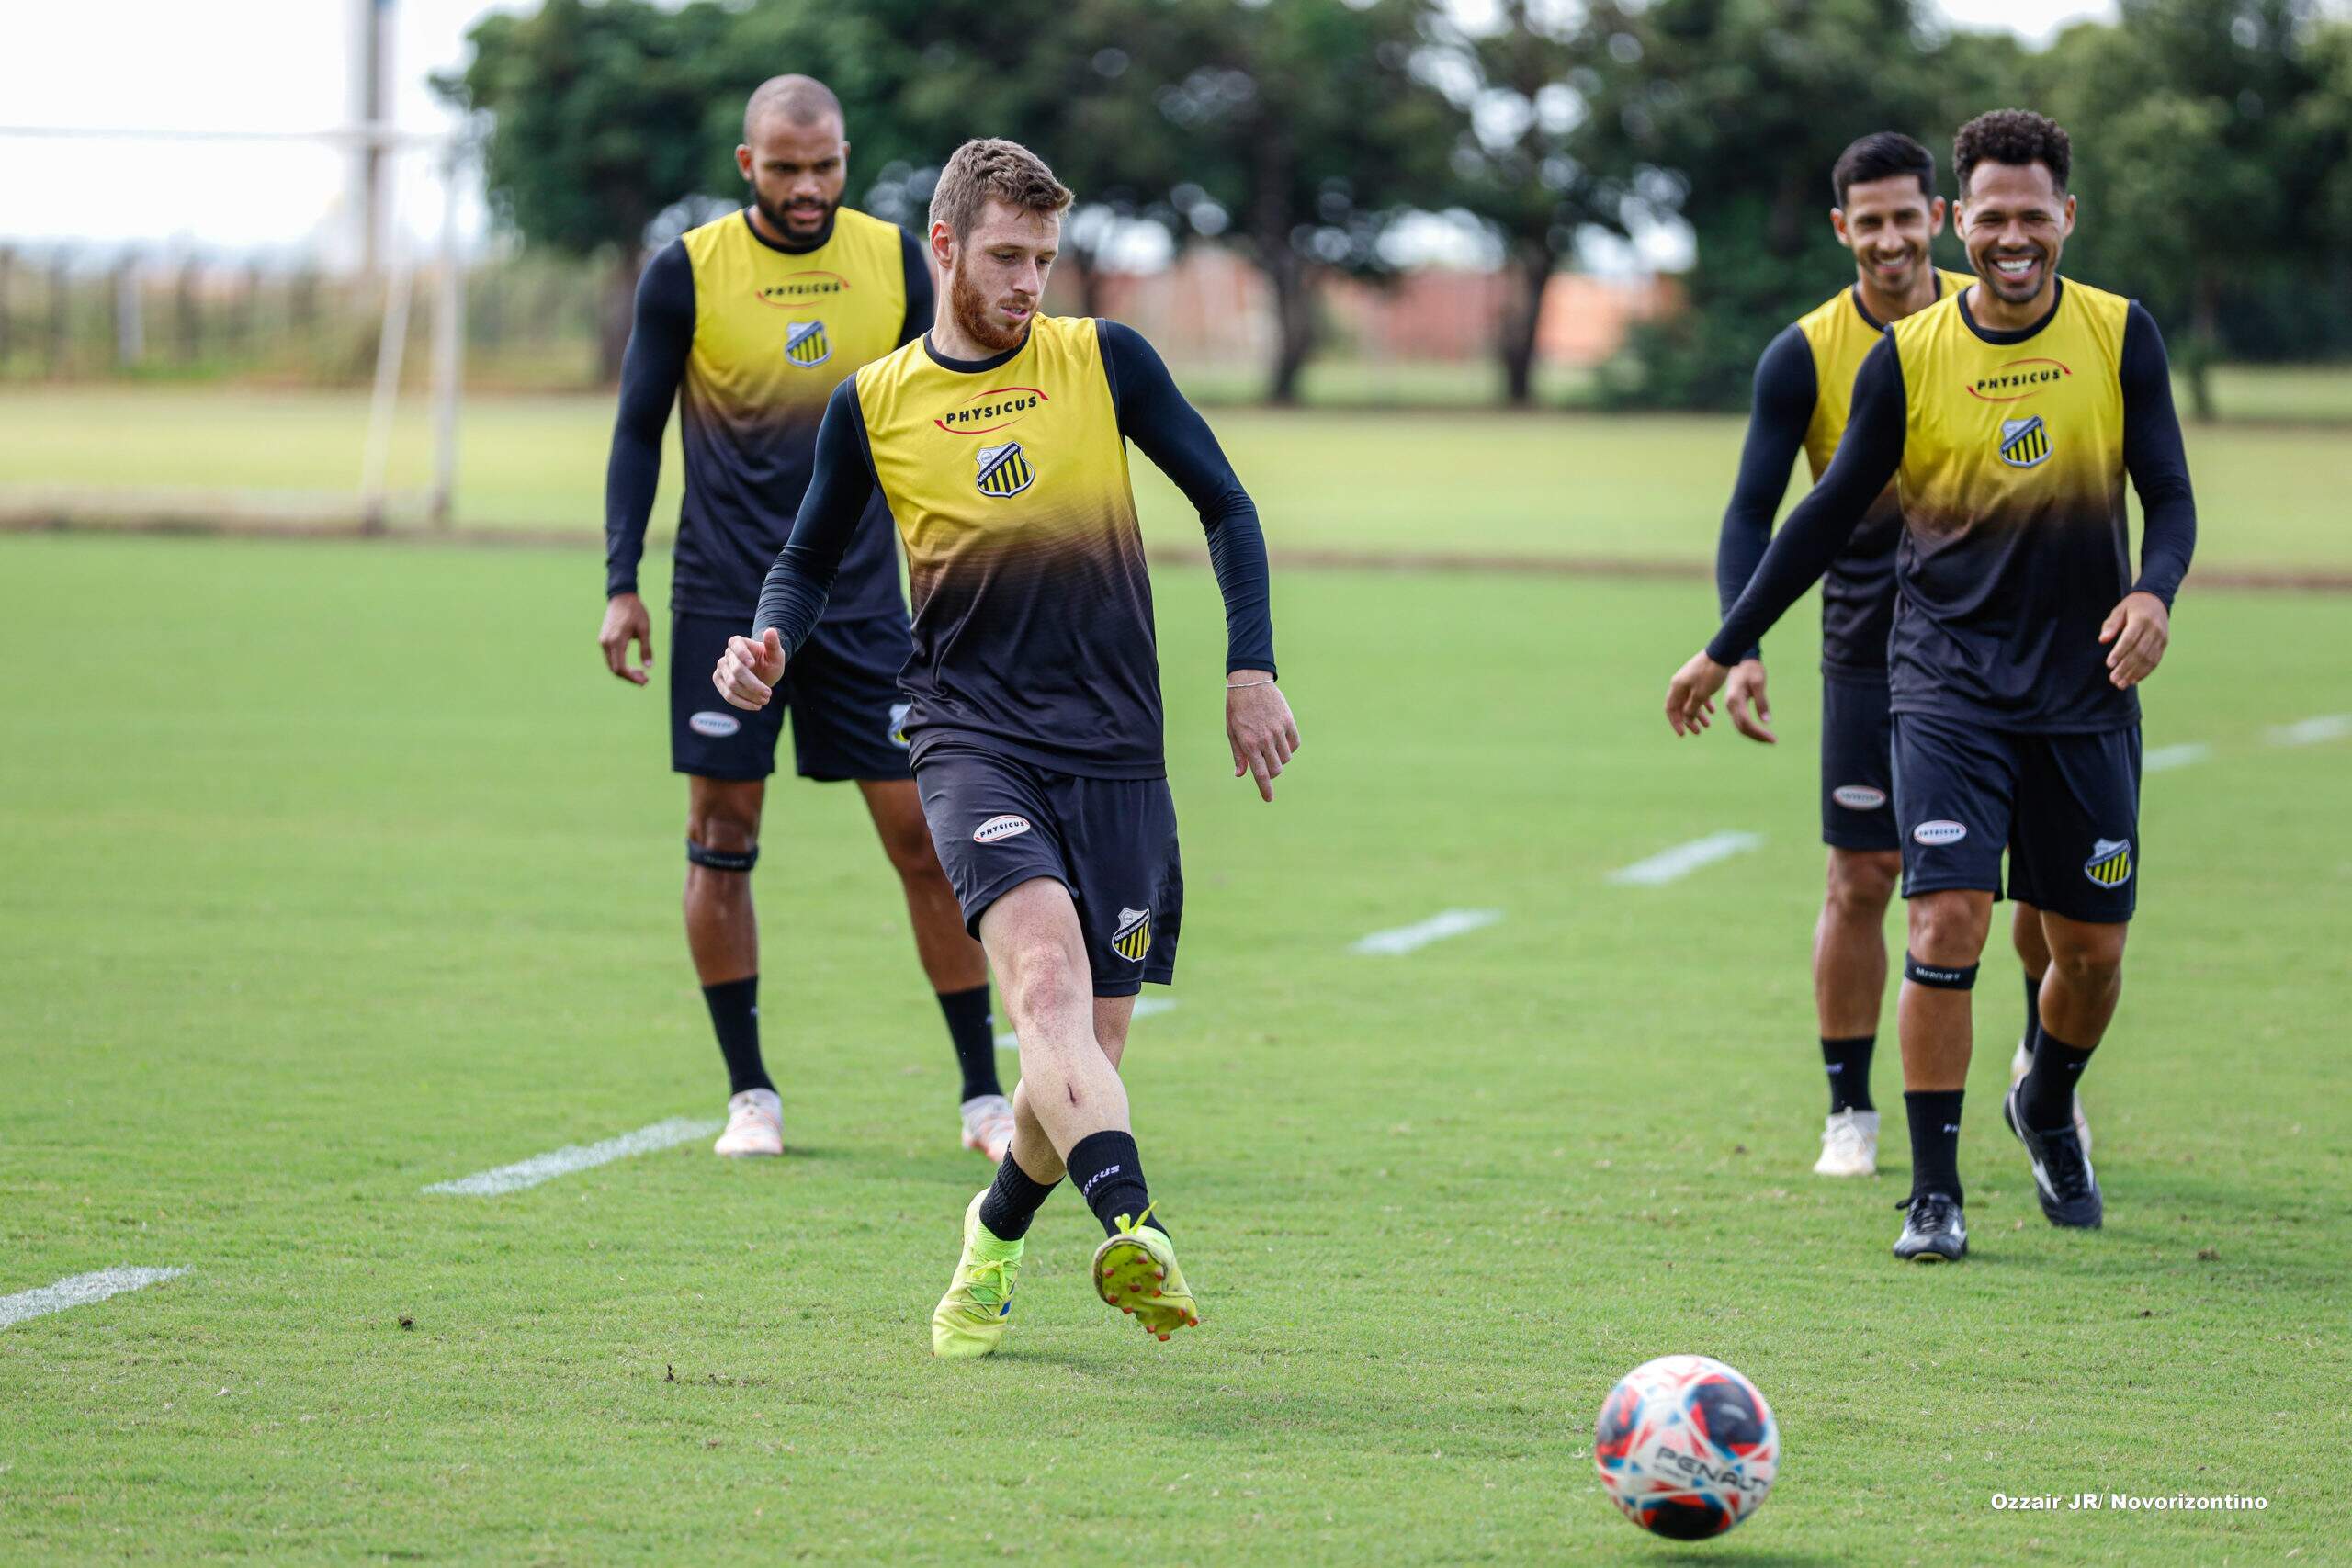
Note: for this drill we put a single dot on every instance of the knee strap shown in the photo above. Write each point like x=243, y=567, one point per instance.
x=723, y=860
x=1940, y=977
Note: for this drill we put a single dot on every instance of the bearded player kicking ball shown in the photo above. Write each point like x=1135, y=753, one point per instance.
x=998, y=441
x=2009, y=416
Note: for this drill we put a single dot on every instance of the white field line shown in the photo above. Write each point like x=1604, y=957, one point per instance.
x=2167, y=757
x=80, y=1290
x=1437, y=927
x=578, y=1157
x=1145, y=1007
x=2312, y=731
x=1680, y=861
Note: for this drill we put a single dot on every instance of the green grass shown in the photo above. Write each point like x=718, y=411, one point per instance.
x=1635, y=487
x=332, y=872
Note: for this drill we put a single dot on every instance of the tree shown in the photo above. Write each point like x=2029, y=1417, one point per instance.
x=1310, y=131
x=1525, y=161
x=594, y=122
x=1730, y=113
x=2205, y=141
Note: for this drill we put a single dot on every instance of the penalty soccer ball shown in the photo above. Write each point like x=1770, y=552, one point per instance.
x=1685, y=1447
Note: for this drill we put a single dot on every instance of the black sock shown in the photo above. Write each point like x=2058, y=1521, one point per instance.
x=1012, y=1201
x=974, y=1032
x=1108, y=1174
x=735, y=1015
x=2032, y=1012
x=2046, y=1098
x=1934, y=1115
x=1849, y=1064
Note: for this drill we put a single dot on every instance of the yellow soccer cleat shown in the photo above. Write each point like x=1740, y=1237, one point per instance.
x=1135, y=1271
x=971, y=1318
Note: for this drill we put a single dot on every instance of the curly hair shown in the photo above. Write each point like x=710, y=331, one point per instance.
x=2013, y=136
x=994, y=169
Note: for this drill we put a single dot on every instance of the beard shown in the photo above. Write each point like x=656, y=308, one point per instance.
x=970, y=309
x=782, y=220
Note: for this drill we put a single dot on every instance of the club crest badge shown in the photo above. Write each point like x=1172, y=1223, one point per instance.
x=805, y=344
x=899, y=712
x=2025, y=443
x=2110, y=863
x=1133, y=939
x=1003, y=471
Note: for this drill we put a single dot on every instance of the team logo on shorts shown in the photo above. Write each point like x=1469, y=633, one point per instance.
x=2110, y=863
x=899, y=712
x=1859, y=798
x=996, y=827
x=1133, y=939
x=1004, y=471
x=1938, y=833
x=717, y=725
x=2025, y=443
x=805, y=344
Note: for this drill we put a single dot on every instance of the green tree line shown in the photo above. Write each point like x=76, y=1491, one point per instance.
x=2213, y=141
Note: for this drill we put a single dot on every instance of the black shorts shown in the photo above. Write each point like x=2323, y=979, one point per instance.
x=1857, y=763
x=998, y=822
x=2066, y=807
x=842, y=689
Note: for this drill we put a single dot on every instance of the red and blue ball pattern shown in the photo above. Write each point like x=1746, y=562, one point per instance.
x=1685, y=1447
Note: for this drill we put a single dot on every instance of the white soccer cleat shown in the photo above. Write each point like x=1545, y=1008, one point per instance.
x=987, y=1127
x=2022, y=1064
x=754, y=1125
x=1849, y=1145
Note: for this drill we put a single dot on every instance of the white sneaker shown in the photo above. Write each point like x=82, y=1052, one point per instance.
x=2022, y=1064
x=1849, y=1145
x=987, y=1127
x=754, y=1125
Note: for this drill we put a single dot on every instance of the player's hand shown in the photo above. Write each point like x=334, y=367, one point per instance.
x=1258, y=725
x=1687, y=701
x=624, y=619
x=2140, y=629
x=1747, y=686
x=748, y=671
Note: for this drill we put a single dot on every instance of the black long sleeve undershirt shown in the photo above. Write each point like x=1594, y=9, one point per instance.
x=1868, y=454
x=651, y=368
x=2158, y=462
x=1779, y=415
x=1152, y=414
x=654, y=365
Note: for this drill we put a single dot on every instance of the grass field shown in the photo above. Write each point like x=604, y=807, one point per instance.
x=335, y=872
x=1630, y=488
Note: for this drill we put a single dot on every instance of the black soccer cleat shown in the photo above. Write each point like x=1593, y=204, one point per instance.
x=1934, y=1230
x=2061, y=1171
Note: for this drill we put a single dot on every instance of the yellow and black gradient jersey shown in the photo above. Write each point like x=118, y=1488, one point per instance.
x=1804, y=384
x=2008, y=450
x=749, y=338
x=1008, y=480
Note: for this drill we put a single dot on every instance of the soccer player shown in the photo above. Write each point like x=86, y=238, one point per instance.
x=1887, y=214
x=2009, y=415
x=750, y=322
x=999, y=444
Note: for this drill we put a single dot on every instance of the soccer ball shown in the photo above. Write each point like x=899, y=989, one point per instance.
x=1685, y=1447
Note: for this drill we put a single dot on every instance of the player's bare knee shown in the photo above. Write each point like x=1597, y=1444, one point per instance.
x=1949, y=928
x=724, y=817
x=2091, y=956
x=1861, y=883
x=1040, y=982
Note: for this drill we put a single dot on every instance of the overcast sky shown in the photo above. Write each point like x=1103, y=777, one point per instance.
x=284, y=65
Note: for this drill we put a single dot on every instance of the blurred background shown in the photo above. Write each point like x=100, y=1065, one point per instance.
x=368, y=264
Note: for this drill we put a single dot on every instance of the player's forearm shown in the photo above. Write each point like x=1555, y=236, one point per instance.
x=841, y=483
x=792, y=601
x=1780, y=410
x=1237, y=553
x=631, y=476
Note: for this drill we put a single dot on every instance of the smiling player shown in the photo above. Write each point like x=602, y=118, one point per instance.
x=2008, y=415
